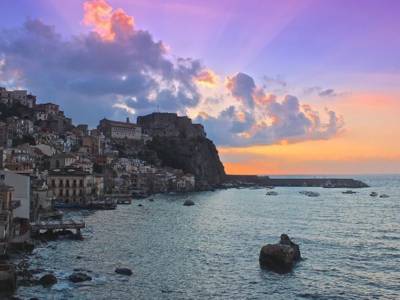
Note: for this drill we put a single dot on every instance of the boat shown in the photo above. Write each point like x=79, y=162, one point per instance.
x=384, y=196
x=309, y=193
x=373, y=194
x=349, y=192
x=124, y=201
x=271, y=193
x=107, y=204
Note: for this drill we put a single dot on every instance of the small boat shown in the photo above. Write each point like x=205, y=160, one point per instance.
x=384, y=196
x=310, y=193
x=125, y=201
x=374, y=194
x=271, y=193
x=349, y=192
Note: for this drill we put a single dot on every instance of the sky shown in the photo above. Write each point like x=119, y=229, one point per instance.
x=282, y=87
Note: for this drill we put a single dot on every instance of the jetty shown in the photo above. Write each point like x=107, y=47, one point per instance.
x=60, y=225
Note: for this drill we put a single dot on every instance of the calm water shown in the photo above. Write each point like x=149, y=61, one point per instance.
x=210, y=251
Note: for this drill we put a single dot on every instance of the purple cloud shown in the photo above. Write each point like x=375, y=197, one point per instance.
x=87, y=71
x=261, y=118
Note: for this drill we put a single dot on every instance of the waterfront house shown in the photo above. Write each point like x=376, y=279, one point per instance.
x=22, y=197
x=6, y=208
x=74, y=186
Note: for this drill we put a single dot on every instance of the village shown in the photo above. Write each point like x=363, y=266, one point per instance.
x=47, y=164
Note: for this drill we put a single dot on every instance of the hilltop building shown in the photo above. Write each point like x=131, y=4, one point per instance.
x=120, y=130
x=170, y=125
x=18, y=96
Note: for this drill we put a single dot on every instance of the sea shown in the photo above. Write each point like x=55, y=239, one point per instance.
x=350, y=245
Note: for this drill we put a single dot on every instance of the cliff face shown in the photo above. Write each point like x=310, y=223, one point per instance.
x=182, y=145
x=197, y=156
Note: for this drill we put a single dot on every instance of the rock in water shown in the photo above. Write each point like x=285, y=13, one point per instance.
x=79, y=277
x=123, y=271
x=280, y=257
x=188, y=203
x=285, y=240
x=48, y=280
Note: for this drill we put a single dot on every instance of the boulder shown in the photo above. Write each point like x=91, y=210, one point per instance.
x=124, y=271
x=188, y=203
x=79, y=277
x=48, y=280
x=280, y=257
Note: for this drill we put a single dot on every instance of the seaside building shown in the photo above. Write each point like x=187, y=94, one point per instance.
x=120, y=130
x=6, y=208
x=74, y=186
x=22, y=202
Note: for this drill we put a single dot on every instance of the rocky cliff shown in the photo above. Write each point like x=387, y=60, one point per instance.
x=182, y=145
x=197, y=156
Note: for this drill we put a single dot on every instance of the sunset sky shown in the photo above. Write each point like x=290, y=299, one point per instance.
x=282, y=87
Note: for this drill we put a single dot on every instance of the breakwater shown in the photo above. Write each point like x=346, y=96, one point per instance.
x=246, y=180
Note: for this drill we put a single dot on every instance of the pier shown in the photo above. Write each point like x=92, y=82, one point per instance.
x=51, y=226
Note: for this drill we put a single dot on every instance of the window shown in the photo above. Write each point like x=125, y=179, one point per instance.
x=81, y=182
x=53, y=183
x=60, y=183
x=67, y=193
x=74, y=183
x=67, y=183
x=60, y=193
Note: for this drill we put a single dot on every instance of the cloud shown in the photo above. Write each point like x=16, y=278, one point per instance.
x=208, y=78
x=124, y=107
x=322, y=92
x=328, y=93
x=114, y=61
x=277, y=81
x=262, y=118
x=107, y=23
x=242, y=87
